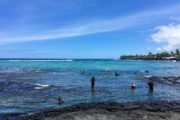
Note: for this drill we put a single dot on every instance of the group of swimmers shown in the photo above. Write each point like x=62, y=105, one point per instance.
x=132, y=84
x=149, y=83
x=93, y=79
x=107, y=72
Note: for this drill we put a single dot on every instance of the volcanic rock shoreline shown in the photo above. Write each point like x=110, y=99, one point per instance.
x=157, y=110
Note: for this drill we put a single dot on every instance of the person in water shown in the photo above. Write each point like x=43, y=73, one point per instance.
x=82, y=72
x=117, y=74
x=132, y=85
x=93, y=81
x=150, y=85
x=107, y=71
x=147, y=71
x=60, y=101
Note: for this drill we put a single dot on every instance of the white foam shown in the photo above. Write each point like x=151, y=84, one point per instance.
x=147, y=76
x=41, y=86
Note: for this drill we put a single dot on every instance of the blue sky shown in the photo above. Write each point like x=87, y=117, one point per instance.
x=87, y=28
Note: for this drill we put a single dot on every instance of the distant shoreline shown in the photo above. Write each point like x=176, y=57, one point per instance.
x=173, y=55
x=154, y=59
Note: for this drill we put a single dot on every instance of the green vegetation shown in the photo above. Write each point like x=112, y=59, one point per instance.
x=158, y=56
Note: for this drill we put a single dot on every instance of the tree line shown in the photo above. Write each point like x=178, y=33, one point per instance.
x=150, y=56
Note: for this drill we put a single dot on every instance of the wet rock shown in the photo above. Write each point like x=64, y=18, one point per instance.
x=165, y=80
x=111, y=110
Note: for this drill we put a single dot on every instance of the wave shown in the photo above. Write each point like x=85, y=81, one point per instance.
x=67, y=60
x=148, y=76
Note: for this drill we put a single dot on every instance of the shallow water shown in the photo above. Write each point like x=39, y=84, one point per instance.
x=33, y=85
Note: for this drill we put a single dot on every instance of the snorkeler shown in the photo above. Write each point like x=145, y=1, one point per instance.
x=60, y=101
x=132, y=85
x=93, y=81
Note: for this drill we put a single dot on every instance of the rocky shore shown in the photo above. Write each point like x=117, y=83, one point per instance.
x=110, y=111
x=165, y=80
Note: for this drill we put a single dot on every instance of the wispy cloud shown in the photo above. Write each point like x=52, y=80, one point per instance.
x=16, y=50
x=91, y=27
x=176, y=18
x=169, y=35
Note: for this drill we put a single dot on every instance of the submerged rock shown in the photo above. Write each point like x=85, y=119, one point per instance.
x=165, y=80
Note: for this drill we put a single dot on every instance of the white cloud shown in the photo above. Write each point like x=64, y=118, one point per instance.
x=92, y=27
x=169, y=35
x=159, y=49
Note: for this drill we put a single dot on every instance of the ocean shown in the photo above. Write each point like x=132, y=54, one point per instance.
x=32, y=85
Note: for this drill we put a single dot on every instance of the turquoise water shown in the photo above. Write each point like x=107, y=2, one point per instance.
x=33, y=85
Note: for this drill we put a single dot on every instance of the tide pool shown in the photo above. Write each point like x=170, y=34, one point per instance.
x=33, y=85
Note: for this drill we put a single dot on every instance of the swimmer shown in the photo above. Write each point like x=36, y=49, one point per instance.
x=117, y=74
x=107, y=71
x=132, y=85
x=60, y=101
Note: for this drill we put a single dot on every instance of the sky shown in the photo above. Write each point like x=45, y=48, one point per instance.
x=87, y=28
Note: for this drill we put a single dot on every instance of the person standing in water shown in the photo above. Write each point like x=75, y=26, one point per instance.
x=93, y=81
x=151, y=85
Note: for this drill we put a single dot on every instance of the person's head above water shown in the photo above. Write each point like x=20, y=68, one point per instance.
x=132, y=85
x=60, y=100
